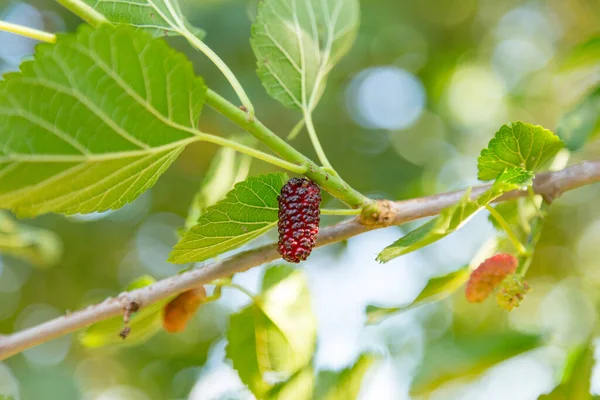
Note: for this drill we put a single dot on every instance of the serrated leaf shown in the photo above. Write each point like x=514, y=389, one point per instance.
x=583, y=55
x=93, y=121
x=273, y=338
x=298, y=387
x=454, y=217
x=144, y=323
x=459, y=356
x=297, y=43
x=576, y=380
x=343, y=385
x=517, y=145
x=159, y=17
x=437, y=289
x=40, y=247
x=227, y=168
x=248, y=211
x=582, y=123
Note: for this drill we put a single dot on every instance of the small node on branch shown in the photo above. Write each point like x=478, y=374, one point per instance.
x=379, y=213
x=129, y=308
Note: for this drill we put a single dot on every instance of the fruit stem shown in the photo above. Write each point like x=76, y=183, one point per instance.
x=85, y=12
x=27, y=32
x=511, y=234
x=341, y=212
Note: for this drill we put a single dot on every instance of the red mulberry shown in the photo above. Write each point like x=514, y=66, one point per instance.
x=298, y=219
x=484, y=280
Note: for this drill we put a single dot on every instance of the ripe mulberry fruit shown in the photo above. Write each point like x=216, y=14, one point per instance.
x=298, y=219
x=484, y=280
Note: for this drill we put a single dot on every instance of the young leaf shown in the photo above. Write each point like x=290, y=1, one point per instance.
x=583, y=55
x=297, y=43
x=143, y=324
x=158, y=17
x=582, y=123
x=273, y=338
x=343, y=385
x=227, y=168
x=517, y=145
x=248, y=211
x=437, y=289
x=37, y=246
x=454, y=217
x=89, y=125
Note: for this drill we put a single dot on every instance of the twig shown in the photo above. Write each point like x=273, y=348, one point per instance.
x=549, y=185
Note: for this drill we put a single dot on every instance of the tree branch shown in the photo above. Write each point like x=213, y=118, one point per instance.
x=550, y=185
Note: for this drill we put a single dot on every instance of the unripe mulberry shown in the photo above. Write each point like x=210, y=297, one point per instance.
x=298, y=219
x=182, y=308
x=512, y=291
x=486, y=278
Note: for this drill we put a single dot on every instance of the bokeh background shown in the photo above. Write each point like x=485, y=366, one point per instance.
x=405, y=114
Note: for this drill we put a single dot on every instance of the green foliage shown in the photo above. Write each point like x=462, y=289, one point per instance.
x=9, y=385
x=143, y=324
x=298, y=387
x=159, y=17
x=274, y=337
x=454, y=217
x=227, y=168
x=437, y=289
x=248, y=211
x=575, y=382
x=98, y=122
x=40, y=247
x=518, y=145
x=582, y=123
x=460, y=355
x=297, y=43
x=583, y=55
x=345, y=384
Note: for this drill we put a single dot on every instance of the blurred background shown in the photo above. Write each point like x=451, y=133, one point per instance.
x=405, y=114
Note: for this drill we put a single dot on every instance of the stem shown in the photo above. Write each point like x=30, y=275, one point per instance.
x=85, y=12
x=340, y=212
x=314, y=138
x=241, y=289
x=534, y=237
x=220, y=64
x=295, y=168
x=330, y=182
x=296, y=130
x=511, y=234
x=27, y=32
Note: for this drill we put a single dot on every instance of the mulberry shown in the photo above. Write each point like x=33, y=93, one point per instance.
x=298, y=219
x=182, y=308
x=484, y=280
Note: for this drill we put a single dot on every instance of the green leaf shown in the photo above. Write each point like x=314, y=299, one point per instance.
x=298, y=387
x=344, y=385
x=227, y=168
x=93, y=121
x=158, y=17
x=459, y=355
x=454, y=217
x=40, y=247
x=518, y=145
x=273, y=338
x=297, y=43
x=437, y=289
x=248, y=211
x=144, y=323
x=576, y=381
x=582, y=123
x=584, y=55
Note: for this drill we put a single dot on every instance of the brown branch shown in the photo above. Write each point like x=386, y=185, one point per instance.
x=550, y=185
